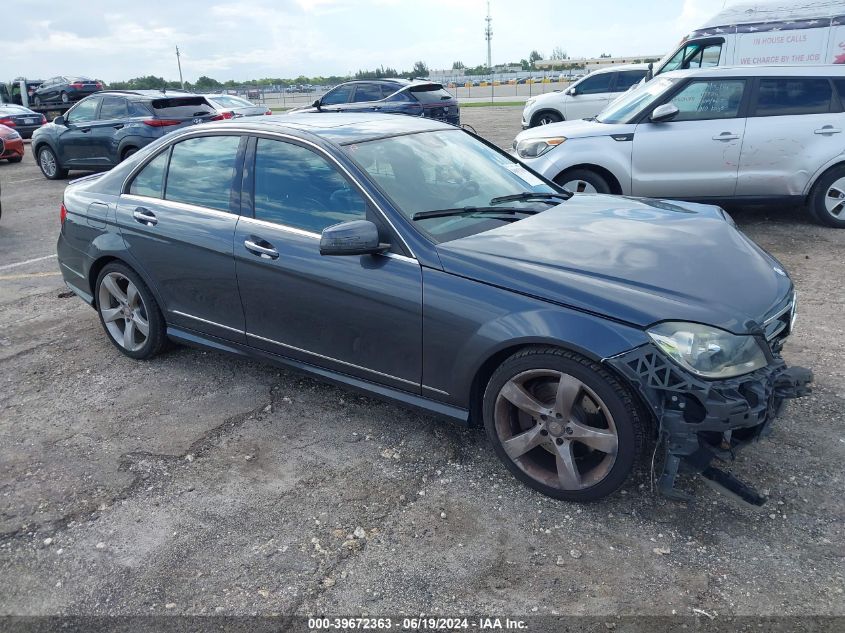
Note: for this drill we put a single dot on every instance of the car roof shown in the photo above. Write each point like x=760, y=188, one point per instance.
x=337, y=128
x=759, y=71
x=152, y=94
x=616, y=69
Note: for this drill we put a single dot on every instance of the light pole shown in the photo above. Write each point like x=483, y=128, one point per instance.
x=179, y=63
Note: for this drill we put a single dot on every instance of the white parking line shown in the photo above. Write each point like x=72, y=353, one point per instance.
x=29, y=261
x=14, y=182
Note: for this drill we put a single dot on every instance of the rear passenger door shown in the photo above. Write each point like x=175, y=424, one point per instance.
x=178, y=218
x=795, y=126
x=363, y=97
x=104, y=131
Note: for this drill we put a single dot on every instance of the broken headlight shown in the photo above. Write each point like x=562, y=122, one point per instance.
x=707, y=351
x=535, y=147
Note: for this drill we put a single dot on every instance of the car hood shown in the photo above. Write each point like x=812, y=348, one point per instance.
x=581, y=128
x=634, y=260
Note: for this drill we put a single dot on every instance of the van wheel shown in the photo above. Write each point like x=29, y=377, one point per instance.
x=583, y=181
x=129, y=312
x=562, y=424
x=49, y=164
x=546, y=118
x=827, y=201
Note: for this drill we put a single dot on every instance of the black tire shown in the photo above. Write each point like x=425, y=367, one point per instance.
x=64, y=97
x=597, y=181
x=36, y=100
x=824, y=203
x=15, y=159
x=127, y=153
x=631, y=424
x=156, y=338
x=545, y=118
x=44, y=163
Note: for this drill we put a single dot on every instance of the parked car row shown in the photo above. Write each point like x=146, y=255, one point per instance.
x=729, y=135
x=22, y=119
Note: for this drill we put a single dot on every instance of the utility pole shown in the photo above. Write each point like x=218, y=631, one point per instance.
x=179, y=63
x=488, y=34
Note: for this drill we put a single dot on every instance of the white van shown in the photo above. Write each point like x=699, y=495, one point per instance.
x=781, y=33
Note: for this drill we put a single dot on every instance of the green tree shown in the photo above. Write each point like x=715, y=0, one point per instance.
x=559, y=54
x=420, y=70
x=534, y=57
x=458, y=65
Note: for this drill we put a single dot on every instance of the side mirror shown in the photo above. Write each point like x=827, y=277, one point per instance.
x=317, y=103
x=572, y=91
x=666, y=112
x=358, y=237
x=59, y=120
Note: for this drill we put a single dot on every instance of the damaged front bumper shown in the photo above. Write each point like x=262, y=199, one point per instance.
x=702, y=420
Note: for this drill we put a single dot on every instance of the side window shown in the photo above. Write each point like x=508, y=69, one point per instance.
x=113, y=108
x=150, y=180
x=367, y=92
x=595, y=84
x=387, y=90
x=136, y=108
x=705, y=57
x=202, y=171
x=628, y=78
x=84, y=111
x=793, y=95
x=713, y=99
x=399, y=97
x=301, y=189
x=340, y=94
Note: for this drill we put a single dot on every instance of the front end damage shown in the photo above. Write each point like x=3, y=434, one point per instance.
x=705, y=420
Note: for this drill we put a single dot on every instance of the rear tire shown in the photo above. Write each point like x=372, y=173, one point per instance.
x=49, y=164
x=563, y=425
x=827, y=200
x=546, y=118
x=127, y=153
x=129, y=312
x=65, y=98
x=583, y=181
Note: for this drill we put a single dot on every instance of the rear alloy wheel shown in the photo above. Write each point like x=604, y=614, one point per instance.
x=562, y=424
x=546, y=118
x=583, y=181
x=129, y=312
x=827, y=202
x=65, y=98
x=49, y=164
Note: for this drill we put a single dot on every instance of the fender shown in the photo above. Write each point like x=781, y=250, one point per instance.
x=601, y=151
x=836, y=160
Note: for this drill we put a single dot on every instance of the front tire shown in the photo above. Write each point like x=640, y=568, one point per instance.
x=563, y=425
x=827, y=200
x=49, y=164
x=129, y=312
x=583, y=181
x=546, y=118
x=65, y=98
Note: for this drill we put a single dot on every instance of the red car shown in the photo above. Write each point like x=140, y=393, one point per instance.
x=11, y=145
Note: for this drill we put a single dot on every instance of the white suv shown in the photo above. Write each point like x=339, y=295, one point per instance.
x=726, y=135
x=585, y=98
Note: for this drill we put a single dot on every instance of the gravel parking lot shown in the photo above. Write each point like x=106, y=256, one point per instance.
x=202, y=484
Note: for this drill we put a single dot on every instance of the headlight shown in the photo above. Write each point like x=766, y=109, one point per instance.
x=707, y=351
x=535, y=147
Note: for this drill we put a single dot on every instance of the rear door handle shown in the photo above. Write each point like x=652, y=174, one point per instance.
x=376, y=108
x=145, y=216
x=726, y=136
x=119, y=126
x=827, y=129
x=264, y=252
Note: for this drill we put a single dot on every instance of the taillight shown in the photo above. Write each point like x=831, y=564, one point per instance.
x=63, y=213
x=43, y=120
x=76, y=85
x=222, y=115
x=7, y=122
x=99, y=86
x=269, y=111
x=161, y=122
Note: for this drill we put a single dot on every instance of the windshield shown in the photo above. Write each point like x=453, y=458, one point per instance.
x=627, y=107
x=231, y=102
x=447, y=169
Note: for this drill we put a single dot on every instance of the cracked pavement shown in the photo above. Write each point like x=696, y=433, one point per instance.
x=202, y=484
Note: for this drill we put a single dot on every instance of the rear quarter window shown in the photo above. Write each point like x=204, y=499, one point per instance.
x=795, y=95
x=427, y=95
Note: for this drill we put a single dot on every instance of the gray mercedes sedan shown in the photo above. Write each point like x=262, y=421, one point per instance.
x=412, y=260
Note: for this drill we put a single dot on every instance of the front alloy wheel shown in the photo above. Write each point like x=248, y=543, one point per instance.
x=562, y=424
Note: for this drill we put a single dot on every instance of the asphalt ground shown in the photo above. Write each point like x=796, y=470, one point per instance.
x=200, y=484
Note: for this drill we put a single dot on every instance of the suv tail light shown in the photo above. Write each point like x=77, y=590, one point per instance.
x=223, y=115
x=63, y=213
x=161, y=122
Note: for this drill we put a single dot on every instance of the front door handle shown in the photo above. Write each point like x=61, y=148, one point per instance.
x=264, y=252
x=85, y=129
x=119, y=126
x=726, y=136
x=827, y=129
x=376, y=108
x=145, y=216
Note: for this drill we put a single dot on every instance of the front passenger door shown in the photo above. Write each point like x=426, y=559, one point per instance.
x=696, y=154
x=76, y=145
x=357, y=315
x=591, y=96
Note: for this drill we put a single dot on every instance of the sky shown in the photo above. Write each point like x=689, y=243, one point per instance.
x=251, y=39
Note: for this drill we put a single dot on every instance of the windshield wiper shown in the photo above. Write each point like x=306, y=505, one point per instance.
x=531, y=195
x=444, y=213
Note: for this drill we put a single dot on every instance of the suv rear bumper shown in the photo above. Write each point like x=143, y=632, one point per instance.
x=702, y=420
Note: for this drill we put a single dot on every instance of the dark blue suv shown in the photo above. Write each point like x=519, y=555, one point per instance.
x=103, y=129
x=391, y=96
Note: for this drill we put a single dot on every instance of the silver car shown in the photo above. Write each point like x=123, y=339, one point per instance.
x=725, y=135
